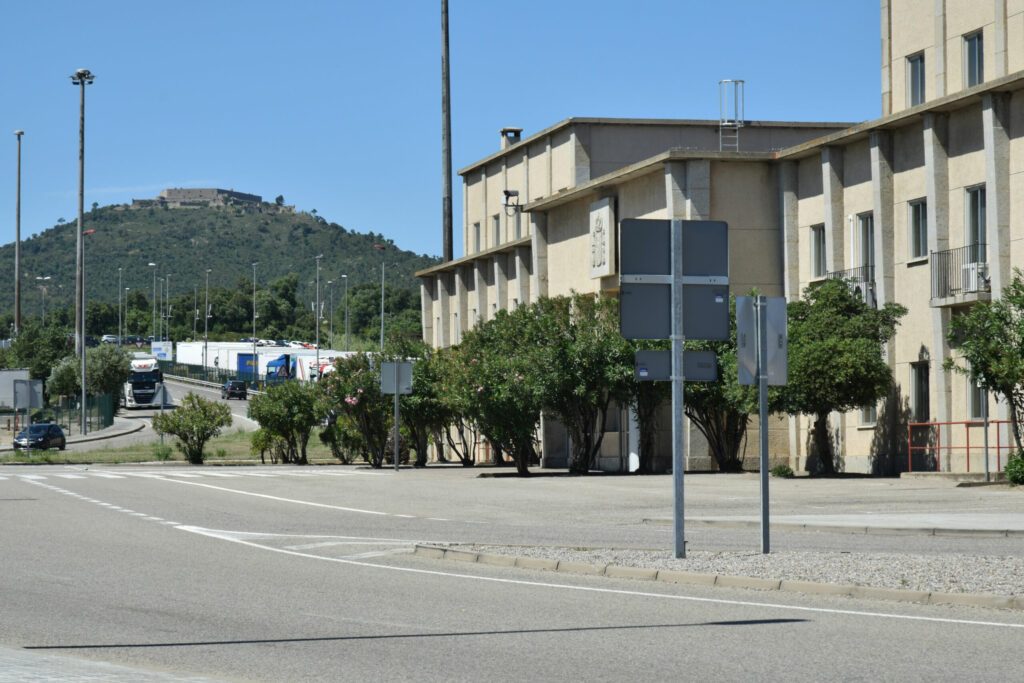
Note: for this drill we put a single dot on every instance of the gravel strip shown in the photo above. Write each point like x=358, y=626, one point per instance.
x=932, y=573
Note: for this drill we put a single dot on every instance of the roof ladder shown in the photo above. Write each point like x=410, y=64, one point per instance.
x=730, y=114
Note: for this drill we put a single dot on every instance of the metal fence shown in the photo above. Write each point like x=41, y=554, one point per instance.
x=216, y=375
x=66, y=412
x=959, y=271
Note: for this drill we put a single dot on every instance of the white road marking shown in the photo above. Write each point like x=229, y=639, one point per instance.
x=609, y=591
x=106, y=476
x=327, y=544
x=32, y=477
x=70, y=476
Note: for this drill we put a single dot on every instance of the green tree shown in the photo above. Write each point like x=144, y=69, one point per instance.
x=279, y=200
x=354, y=401
x=63, y=379
x=835, y=357
x=195, y=421
x=990, y=340
x=423, y=414
x=39, y=348
x=647, y=399
x=289, y=410
x=107, y=369
x=583, y=365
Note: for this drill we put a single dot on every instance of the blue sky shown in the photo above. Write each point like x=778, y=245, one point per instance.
x=336, y=104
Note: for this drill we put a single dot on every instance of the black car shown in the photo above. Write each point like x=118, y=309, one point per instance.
x=41, y=437
x=234, y=388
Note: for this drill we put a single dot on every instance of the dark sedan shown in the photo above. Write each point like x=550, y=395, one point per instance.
x=234, y=388
x=41, y=437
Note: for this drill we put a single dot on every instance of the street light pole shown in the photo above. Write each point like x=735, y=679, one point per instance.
x=255, y=358
x=380, y=247
x=345, y=278
x=42, y=290
x=153, y=329
x=330, y=283
x=17, y=244
x=167, y=305
x=126, y=290
x=119, y=307
x=81, y=78
x=195, y=309
x=206, y=322
x=316, y=316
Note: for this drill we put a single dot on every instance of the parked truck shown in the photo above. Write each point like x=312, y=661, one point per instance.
x=145, y=385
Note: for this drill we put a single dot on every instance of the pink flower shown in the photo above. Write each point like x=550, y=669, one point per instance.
x=351, y=400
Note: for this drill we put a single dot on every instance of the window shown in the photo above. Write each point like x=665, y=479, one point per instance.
x=476, y=237
x=915, y=79
x=868, y=414
x=976, y=224
x=920, y=405
x=495, y=230
x=974, y=59
x=918, y=228
x=866, y=231
x=818, y=262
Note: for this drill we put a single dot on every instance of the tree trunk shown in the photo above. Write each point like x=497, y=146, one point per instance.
x=522, y=458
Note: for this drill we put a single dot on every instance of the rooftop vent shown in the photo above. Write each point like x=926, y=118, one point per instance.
x=510, y=136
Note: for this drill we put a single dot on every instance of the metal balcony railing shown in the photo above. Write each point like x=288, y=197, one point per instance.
x=956, y=272
x=861, y=280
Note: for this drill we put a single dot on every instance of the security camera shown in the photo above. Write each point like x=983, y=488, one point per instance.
x=511, y=195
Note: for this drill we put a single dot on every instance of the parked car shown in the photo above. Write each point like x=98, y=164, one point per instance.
x=108, y=339
x=40, y=437
x=234, y=388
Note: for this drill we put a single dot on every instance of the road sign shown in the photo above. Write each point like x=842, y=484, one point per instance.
x=28, y=393
x=387, y=378
x=746, y=340
x=656, y=366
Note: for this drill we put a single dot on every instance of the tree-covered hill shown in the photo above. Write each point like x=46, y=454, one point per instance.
x=184, y=243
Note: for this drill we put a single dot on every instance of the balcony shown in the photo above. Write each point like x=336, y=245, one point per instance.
x=960, y=276
x=861, y=281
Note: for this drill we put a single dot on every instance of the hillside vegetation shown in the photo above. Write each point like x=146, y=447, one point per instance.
x=184, y=243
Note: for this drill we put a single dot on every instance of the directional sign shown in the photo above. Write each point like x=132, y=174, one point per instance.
x=387, y=378
x=656, y=366
x=746, y=340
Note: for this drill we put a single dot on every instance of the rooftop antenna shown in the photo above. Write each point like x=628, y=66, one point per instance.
x=730, y=114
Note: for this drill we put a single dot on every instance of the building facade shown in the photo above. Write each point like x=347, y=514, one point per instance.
x=920, y=207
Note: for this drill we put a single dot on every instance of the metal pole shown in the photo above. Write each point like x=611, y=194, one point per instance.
x=396, y=414
x=153, y=327
x=382, y=300
x=255, y=361
x=678, y=396
x=331, y=285
x=84, y=77
x=345, y=277
x=195, y=309
x=762, y=381
x=446, y=137
x=984, y=417
x=118, y=308
x=17, y=244
x=206, y=323
x=316, y=315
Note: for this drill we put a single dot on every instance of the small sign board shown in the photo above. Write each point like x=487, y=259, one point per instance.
x=746, y=339
x=387, y=377
x=28, y=394
x=656, y=366
x=163, y=350
x=646, y=311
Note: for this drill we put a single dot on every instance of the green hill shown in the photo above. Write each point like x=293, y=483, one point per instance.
x=186, y=242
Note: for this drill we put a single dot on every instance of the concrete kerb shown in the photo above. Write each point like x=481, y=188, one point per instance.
x=725, y=581
x=848, y=529
x=108, y=433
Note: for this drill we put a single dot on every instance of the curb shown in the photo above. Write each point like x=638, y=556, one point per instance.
x=725, y=581
x=87, y=438
x=848, y=529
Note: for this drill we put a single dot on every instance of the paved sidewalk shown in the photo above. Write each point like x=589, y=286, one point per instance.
x=17, y=666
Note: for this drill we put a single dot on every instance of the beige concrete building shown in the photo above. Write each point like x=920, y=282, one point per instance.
x=921, y=207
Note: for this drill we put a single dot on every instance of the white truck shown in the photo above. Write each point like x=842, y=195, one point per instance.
x=145, y=385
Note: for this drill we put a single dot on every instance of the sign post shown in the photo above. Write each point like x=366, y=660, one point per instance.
x=396, y=378
x=761, y=341
x=675, y=284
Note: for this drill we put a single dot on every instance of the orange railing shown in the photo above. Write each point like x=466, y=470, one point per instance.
x=936, y=445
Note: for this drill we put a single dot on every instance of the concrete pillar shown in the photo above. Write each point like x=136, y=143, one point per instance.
x=539, y=247
x=886, y=32
x=427, y=288
x=461, y=321
x=999, y=65
x=939, y=49
x=832, y=195
x=789, y=219
x=580, y=154
x=882, y=211
x=524, y=191
x=936, y=165
x=788, y=183
x=547, y=158
x=480, y=293
x=522, y=290
x=698, y=189
x=675, y=189
x=500, y=279
x=445, y=285
x=995, y=114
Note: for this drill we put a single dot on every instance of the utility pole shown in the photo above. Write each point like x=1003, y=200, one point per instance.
x=119, y=307
x=81, y=78
x=330, y=283
x=153, y=328
x=195, y=309
x=316, y=316
x=17, y=244
x=380, y=247
x=206, y=323
x=255, y=358
x=345, y=278
x=446, y=140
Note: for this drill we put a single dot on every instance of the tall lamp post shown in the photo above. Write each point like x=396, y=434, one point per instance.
x=167, y=306
x=81, y=78
x=195, y=309
x=206, y=321
x=380, y=248
x=316, y=315
x=17, y=244
x=255, y=358
x=159, y=336
x=153, y=330
x=119, y=307
x=42, y=290
x=345, y=278
x=330, y=284
x=126, y=290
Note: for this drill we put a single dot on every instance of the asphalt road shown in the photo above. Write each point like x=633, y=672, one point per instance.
x=284, y=574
